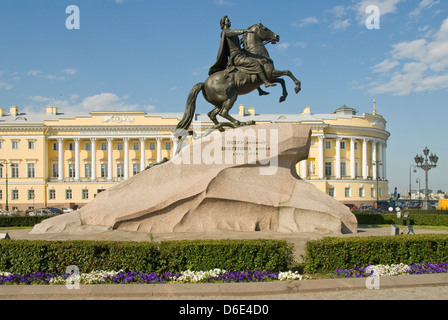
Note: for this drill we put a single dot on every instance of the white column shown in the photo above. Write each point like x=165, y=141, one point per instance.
x=77, y=162
x=338, y=157
x=126, y=158
x=352, y=158
x=384, y=161
x=109, y=158
x=60, y=159
x=142, y=154
x=159, y=149
x=374, y=160
x=93, y=157
x=365, y=166
x=321, y=157
x=174, y=148
x=380, y=158
x=303, y=169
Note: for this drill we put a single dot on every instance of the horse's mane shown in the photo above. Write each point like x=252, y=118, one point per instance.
x=244, y=36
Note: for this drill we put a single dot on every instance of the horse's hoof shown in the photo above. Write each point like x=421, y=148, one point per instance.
x=282, y=99
x=297, y=89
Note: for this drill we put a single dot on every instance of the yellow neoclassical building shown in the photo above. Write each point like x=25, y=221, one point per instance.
x=58, y=159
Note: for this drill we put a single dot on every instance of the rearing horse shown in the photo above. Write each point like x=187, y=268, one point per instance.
x=222, y=88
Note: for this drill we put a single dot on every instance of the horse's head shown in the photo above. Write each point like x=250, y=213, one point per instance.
x=265, y=34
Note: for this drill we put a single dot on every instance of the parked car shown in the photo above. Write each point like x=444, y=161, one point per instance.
x=54, y=210
x=67, y=210
x=351, y=206
x=40, y=212
x=5, y=213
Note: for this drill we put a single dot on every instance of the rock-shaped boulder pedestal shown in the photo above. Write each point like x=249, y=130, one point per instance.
x=243, y=179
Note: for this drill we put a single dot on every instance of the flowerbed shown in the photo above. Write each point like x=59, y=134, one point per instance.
x=391, y=270
x=122, y=277
x=212, y=276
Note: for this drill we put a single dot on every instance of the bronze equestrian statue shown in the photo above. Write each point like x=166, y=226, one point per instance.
x=236, y=72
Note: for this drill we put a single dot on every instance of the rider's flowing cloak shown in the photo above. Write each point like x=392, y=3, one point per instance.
x=223, y=54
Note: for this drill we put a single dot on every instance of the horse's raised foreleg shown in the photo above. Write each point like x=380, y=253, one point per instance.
x=278, y=73
x=284, y=92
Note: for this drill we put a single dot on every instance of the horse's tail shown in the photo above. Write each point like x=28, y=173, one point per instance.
x=190, y=109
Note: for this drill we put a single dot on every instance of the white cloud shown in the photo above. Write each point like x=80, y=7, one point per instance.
x=306, y=21
x=105, y=101
x=423, y=5
x=385, y=66
x=70, y=71
x=386, y=7
x=423, y=62
x=6, y=86
x=340, y=25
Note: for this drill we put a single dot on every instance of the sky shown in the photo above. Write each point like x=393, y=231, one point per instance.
x=146, y=55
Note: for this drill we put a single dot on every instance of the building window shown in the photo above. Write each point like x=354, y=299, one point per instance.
x=15, y=195
x=168, y=146
x=103, y=146
x=356, y=169
x=103, y=170
x=356, y=145
x=71, y=170
x=87, y=170
x=55, y=146
x=136, y=145
x=135, y=168
x=1, y=194
x=328, y=168
x=380, y=192
x=347, y=192
x=1, y=144
x=342, y=144
x=361, y=192
x=152, y=146
x=30, y=194
x=71, y=146
x=328, y=145
x=1, y=171
x=119, y=146
x=88, y=146
x=372, y=192
x=68, y=194
x=343, y=168
x=55, y=170
x=31, y=144
x=14, y=144
x=30, y=170
x=120, y=170
x=331, y=191
x=85, y=194
x=14, y=169
x=52, y=194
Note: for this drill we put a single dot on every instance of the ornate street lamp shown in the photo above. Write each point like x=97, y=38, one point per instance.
x=5, y=165
x=423, y=163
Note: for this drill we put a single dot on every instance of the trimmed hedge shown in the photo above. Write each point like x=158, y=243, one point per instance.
x=21, y=221
x=331, y=253
x=24, y=256
x=418, y=219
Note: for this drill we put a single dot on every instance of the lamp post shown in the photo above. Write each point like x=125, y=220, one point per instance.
x=5, y=165
x=423, y=163
x=377, y=163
